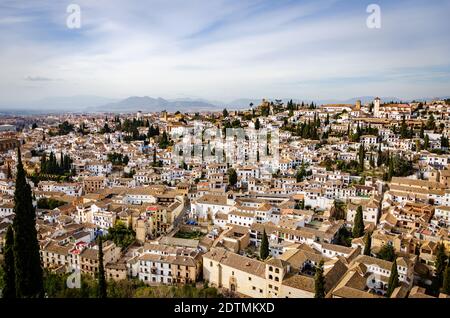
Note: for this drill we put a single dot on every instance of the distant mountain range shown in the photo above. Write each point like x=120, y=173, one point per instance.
x=90, y=104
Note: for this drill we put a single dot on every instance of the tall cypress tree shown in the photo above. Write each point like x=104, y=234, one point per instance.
x=440, y=265
x=358, y=223
x=264, y=248
x=368, y=244
x=446, y=284
x=393, y=279
x=28, y=270
x=9, y=173
x=9, y=277
x=319, y=282
x=101, y=293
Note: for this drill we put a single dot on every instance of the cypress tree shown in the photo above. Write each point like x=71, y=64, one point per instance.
x=368, y=244
x=264, y=248
x=446, y=285
x=101, y=292
x=393, y=279
x=28, y=270
x=358, y=223
x=319, y=282
x=440, y=265
x=9, y=173
x=9, y=290
x=426, y=142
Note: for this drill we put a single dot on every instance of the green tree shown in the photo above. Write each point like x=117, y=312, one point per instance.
x=361, y=155
x=393, y=282
x=368, y=244
x=27, y=260
x=426, y=142
x=440, y=265
x=319, y=282
x=301, y=174
x=446, y=283
x=232, y=176
x=9, y=290
x=444, y=142
x=431, y=124
x=257, y=124
x=387, y=253
x=358, y=223
x=8, y=172
x=264, y=248
x=164, y=141
x=225, y=113
x=339, y=210
x=121, y=235
x=404, y=129
x=101, y=292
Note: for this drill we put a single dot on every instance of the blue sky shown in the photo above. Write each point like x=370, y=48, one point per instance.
x=224, y=49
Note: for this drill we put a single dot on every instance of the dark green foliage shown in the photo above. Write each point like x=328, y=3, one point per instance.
x=339, y=210
x=399, y=167
x=101, y=292
x=387, y=252
x=358, y=223
x=65, y=128
x=232, y=177
x=257, y=124
x=426, y=142
x=361, y=156
x=8, y=172
x=446, y=282
x=440, y=266
x=164, y=141
x=344, y=237
x=49, y=203
x=368, y=244
x=54, y=167
x=404, y=131
x=9, y=276
x=26, y=248
x=300, y=205
x=121, y=235
x=301, y=174
x=264, y=248
x=105, y=129
x=393, y=282
x=351, y=166
x=117, y=158
x=152, y=131
x=444, y=142
x=319, y=282
x=431, y=124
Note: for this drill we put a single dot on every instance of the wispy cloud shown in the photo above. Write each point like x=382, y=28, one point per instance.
x=38, y=79
x=226, y=49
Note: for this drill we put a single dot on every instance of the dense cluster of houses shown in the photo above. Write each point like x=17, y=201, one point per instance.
x=292, y=194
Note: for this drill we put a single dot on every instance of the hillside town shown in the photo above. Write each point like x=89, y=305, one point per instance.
x=281, y=200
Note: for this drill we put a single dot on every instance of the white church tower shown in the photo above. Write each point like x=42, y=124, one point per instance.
x=376, y=107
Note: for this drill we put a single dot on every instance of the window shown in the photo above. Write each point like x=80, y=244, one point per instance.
x=210, y=264
x=249, y=278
